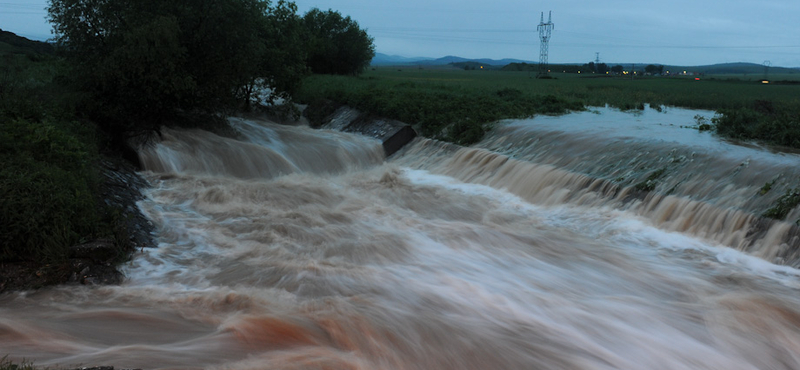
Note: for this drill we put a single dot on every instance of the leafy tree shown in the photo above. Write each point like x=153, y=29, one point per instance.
x=654, y=69
x=617, y=69
x=337, y=44
x=285, y=52
x=143, y=63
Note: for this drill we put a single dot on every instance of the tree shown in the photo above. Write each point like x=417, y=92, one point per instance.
x=337, y=44
x=282, y=63
x=597, y=68
x=143, y=63
x=617, y=69
x=654, y=69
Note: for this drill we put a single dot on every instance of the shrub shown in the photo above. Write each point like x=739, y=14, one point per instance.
x=764, y=122
x=47, y=182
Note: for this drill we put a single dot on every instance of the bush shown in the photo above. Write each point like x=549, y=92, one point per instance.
x=47, y=182
x=764, y=122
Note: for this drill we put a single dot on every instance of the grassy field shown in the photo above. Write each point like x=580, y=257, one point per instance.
x=459, y=106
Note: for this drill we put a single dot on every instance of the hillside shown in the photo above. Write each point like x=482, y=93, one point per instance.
x=394, y=60
x=13, y=44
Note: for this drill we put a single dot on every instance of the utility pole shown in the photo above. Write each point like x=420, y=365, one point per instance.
x=545, y=30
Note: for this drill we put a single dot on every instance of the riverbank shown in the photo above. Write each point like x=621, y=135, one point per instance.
x=96, y=261
x=460, y=106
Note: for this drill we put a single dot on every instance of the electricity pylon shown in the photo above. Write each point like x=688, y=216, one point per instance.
x=545, y=29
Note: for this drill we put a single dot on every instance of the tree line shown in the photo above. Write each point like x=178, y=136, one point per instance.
x=140, y=64
x=591, y=67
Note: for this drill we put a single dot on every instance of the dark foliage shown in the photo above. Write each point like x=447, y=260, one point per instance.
x=48, y=182
x=763, y=122
x=145, y=63
x=337, y=45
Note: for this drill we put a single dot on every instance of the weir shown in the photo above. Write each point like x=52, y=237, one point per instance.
x=260, y=151
x=549, y=185
x=678, y=178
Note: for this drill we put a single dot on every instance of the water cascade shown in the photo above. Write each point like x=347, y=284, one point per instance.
x=289, y=248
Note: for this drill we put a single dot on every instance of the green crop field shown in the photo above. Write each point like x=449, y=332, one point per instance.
x=459, y=105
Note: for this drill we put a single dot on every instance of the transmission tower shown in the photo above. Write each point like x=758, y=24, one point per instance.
x=545, y=29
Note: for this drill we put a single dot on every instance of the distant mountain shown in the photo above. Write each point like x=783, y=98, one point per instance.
x=454, y=60
x=383, y=60
x=389, y=60
x=740, y=68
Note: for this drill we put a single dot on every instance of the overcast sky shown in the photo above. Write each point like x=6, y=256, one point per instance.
x=678, y=32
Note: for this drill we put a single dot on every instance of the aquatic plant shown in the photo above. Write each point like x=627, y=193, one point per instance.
x=784, y=204
x=650, y=183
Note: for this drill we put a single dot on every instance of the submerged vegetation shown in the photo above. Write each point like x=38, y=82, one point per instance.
x=784, y=205
x=649, y=184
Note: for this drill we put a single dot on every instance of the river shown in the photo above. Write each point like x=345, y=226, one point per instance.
x=293, y=248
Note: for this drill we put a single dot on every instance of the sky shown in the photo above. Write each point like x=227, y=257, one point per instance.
x=678, y=32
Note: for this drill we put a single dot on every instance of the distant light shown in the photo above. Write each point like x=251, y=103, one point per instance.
x=481, y=67
x=697, y=78
x=765, y=82
x=579, y=72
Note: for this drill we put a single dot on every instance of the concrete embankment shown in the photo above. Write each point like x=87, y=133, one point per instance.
x=328, y=115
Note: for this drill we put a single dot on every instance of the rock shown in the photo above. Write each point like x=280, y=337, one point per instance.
x=99, y=251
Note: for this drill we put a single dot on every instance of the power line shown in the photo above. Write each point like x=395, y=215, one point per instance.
x=441, y=35
x=545, y=31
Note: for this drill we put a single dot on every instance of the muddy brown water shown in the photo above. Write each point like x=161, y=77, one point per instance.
x=300, y=249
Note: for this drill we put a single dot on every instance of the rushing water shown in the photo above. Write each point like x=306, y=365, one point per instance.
x=299, y=249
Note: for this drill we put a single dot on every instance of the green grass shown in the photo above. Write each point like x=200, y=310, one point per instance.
x=48, y=181
x=459, y=106
x=456, y=107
